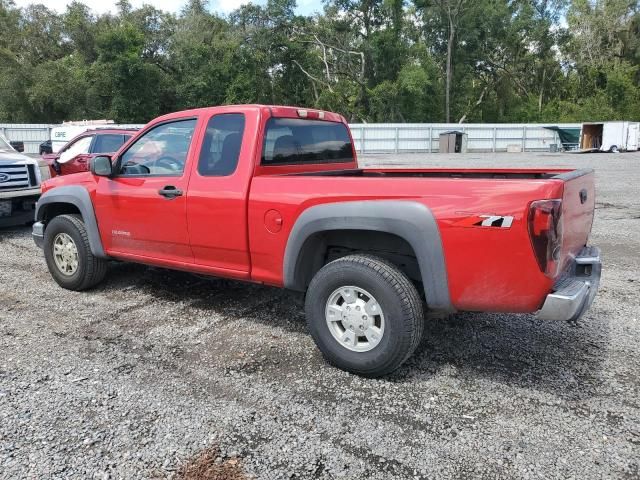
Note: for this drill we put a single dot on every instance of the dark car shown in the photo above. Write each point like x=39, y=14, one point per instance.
x=45, y=147
x=18, y=145
x=75, y=155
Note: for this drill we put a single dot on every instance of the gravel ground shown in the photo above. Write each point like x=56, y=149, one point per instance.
x=136, y=377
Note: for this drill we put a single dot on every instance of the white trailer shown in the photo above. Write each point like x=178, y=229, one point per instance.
x=62, y=134
x=620, y=136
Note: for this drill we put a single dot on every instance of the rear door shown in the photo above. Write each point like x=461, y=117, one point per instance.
x=218, y=190
x=142, y=209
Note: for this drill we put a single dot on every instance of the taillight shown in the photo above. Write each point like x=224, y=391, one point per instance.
x=545, y=230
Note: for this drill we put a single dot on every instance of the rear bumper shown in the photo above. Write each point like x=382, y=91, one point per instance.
x=574, y=292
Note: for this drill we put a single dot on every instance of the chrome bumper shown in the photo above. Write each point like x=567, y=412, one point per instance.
x=574, y=293
x=38, y=233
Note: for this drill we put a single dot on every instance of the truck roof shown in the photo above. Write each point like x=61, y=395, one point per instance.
x=275, y=110
x=111, y=130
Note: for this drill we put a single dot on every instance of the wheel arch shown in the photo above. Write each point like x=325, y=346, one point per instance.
x=410, y=221
x=71, y=199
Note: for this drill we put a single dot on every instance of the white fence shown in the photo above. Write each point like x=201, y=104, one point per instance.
x=32, y=134
x=384, y=137
x=423, y=137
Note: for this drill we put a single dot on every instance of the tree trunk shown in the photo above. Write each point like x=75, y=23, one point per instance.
x=541, y=96
x=477, y=104
x=449, y=73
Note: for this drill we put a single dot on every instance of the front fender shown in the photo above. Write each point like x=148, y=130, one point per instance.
x=409, y=220
x=77, y=196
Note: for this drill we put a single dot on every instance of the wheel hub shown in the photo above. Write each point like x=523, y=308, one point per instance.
x=65, y=254
x=355, y=318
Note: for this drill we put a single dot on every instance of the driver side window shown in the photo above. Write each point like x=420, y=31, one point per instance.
x=78, y=147
x=162, y=151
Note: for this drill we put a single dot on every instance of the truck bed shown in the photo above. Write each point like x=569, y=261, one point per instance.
x=477, y=259
x=519, y=174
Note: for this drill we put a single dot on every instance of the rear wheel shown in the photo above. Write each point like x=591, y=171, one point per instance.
x=68, y=254
x=364, y=314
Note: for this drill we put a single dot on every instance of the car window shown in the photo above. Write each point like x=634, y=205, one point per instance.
x=292, y=141
x=160, y=151
x=221, y=145
x=78, y=147
x=108, y=143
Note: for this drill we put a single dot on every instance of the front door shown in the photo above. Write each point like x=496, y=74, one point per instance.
x=74, y=158
x=142, y=208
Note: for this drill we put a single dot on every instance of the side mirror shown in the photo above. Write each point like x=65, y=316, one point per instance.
x=101, y=166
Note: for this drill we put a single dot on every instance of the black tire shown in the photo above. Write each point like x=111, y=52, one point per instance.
x=90, y=271
x=398, y=299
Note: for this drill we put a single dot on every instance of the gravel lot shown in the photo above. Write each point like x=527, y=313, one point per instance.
x=134, y=378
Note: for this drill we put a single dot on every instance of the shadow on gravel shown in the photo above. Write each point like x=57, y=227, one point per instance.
x=228, y=298
x=513, y=349
x=520, y=350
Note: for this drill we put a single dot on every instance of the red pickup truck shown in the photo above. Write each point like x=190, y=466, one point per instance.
x=274, y=195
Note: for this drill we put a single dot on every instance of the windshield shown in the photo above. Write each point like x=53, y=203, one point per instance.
x=4, y=146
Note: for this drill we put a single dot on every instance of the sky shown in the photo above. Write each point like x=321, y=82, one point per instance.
x=305, y=7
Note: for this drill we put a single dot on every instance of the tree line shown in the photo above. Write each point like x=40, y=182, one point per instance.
x=371, y=60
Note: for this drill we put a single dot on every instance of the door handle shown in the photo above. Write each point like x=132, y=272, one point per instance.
x=170, y=192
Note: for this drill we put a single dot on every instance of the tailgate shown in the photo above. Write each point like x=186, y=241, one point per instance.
x=578, y=204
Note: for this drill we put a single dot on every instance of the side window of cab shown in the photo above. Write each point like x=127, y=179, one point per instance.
x=161, y=151
x=221, y=145
x=108, y=143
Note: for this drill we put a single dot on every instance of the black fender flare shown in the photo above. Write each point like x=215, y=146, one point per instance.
x=412, y=221
x=77, y=196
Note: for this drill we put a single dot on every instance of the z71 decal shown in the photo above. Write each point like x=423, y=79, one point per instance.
x=491, y=221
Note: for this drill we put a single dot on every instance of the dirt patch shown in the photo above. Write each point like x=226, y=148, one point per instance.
x=211, y=465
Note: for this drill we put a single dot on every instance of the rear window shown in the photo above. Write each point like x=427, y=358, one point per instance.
x=108, y=143
x=293, y=141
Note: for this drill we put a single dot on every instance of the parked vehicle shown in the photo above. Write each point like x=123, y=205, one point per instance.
x=274, y=195
x=17, y=145
x=63, y=134
x=610, y=136
x=45, y=147
x=569, y=138
x=74, y=156
x=20, y=178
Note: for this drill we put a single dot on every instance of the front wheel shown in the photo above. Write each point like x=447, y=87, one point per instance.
x=68, y=254
x=364, y=314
